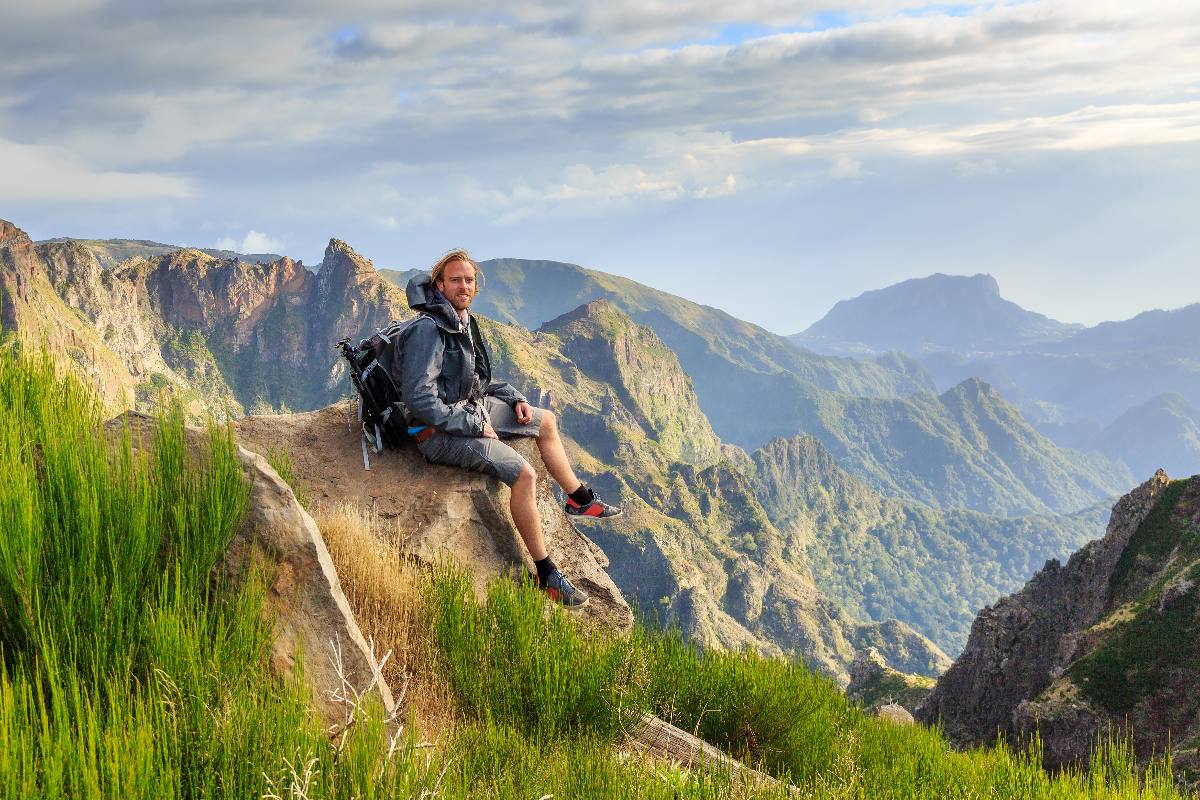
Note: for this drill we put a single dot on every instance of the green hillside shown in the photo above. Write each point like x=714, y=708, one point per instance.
x=735, y=365
x=967, y=448
x=133, y=670
x=882, y=558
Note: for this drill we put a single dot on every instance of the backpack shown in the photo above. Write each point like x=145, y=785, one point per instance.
x=381, y=412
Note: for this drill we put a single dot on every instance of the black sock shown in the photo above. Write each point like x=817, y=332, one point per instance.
x=582, y=496
x=544, y=568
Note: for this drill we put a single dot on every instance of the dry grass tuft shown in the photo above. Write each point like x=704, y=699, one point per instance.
x=387, y=592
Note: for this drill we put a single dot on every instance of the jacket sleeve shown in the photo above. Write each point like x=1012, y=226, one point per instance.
x=421, y=364
x=506, y=393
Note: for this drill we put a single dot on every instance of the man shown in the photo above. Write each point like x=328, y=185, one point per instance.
x=457, y=415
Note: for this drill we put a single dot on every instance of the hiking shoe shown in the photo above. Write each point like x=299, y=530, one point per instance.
x=597, y=509
x=563, y=591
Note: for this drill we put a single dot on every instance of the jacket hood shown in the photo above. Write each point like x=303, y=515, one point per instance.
x=424, y=296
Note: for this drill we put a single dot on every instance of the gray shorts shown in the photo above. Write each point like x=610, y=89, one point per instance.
x=489, y=456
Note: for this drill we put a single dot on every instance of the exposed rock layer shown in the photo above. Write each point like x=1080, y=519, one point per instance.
x=310, y=614
x=440, y=512
x=1112, y=637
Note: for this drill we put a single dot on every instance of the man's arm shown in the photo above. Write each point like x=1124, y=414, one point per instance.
x=505, y=392
x=420, y=367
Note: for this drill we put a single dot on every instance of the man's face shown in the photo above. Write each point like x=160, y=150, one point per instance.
x=458, y=284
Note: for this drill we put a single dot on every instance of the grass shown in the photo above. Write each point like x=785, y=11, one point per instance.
x=130, y=668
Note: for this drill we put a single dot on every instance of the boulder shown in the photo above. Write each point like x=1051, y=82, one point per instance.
x=893, y=713
x=438, y=511
x=305, y=601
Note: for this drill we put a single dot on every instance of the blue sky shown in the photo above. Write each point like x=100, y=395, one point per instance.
x=764, y=157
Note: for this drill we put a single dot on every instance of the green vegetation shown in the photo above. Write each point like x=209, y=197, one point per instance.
x=527, y=680
x=1153, y=541
x=132, y=669
x=1155, y=645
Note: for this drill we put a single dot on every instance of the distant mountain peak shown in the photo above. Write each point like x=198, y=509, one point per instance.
x=958, y=313
x=339, y=255
x=981, y=282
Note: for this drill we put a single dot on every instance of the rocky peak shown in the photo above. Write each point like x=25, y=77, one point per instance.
x=342, y=273
x=1021, y=645
x=644, y=372
x=10, y=234
x=885, y=691
x=341, y=257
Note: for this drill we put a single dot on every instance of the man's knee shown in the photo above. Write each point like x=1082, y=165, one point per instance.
x=549, y=422
x=526, y=477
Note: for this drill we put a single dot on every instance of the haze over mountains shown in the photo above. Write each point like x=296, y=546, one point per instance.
x=880, y=417
x=1128, y=389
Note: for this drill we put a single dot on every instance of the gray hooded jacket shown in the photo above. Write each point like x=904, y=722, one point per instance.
x=445, y=370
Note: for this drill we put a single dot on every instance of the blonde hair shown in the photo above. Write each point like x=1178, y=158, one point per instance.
x=435, y=274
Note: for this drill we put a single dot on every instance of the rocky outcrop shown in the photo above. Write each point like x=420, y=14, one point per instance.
x=439, y=512
x=876, y=686
x=1111, y=638
x=224, y=335
x=310, y=615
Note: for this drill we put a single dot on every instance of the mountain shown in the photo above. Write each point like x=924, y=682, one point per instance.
x=966, y=448
x=1163, y=432
x=229, y=336
x=1111, y=639
x=882, y=558
x=737, y=367
x=941, y=312
x=695, y=547
x=877, y=416
x=1072, y=383
x=1173, y=332
x=111, y=252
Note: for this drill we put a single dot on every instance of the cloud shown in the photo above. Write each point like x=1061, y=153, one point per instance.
x=42, y=172
x=252, y=242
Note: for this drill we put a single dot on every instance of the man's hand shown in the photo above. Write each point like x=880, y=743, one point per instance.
x=488, y=432
x=524, y=412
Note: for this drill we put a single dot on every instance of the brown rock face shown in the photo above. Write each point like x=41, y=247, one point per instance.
x=305, y=600
x=441, y=511
x=1020, y=645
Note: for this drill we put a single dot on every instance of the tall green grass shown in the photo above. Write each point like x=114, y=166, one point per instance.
x=132, y=668
x=551, y=680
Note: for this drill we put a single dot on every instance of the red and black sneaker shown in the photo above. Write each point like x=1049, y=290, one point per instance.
x=563, y=591
x=597, y=509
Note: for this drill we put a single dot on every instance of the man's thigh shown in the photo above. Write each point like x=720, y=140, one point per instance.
x=489, y=456
x=504, y=419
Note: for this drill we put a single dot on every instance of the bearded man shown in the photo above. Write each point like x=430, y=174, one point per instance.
x=459, y=416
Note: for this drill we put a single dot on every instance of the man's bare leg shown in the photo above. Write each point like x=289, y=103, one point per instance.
x=523, y=505
x=555, y=457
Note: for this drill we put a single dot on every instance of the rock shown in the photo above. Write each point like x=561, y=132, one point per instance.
x=893, y=713
x=875, y=685
x=1173, y=592
x=305, y=598
x=1022, y=643
x=439, y=511
x=1110, y=642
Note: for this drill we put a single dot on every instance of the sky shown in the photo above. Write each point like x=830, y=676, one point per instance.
x=767, y=158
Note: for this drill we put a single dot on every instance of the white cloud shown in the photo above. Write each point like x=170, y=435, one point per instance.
x=252, y=242
x=255, y=242
x=845, y=168
x=42, y=172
